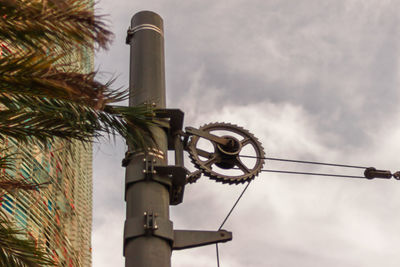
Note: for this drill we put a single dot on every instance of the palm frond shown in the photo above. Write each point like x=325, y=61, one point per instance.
x=134, y=124
x=6, y=159
x=39, y=24
x=12, y=185
x=35, y=75
x=16, y=250
x=9, y=183
x=27, y=118
x=45, y=98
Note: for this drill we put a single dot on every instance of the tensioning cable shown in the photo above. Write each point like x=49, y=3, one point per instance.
x=228, y=215
x=369, y=172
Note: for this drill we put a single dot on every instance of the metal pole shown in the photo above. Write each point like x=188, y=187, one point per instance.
x=147, y=199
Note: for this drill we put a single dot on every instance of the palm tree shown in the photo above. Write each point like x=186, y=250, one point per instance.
x=43, y=96
x=35, y=83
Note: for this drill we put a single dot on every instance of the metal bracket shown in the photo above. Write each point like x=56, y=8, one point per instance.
x=144, y=169
x=174, y=132
x=175, y=117
x=184, y=239
x=177, y=174
x=148, y=169
x=149, y=224
x=127, y=159
x=150, y=221
x=129, y=155
x=174, y=177
x=147, y=172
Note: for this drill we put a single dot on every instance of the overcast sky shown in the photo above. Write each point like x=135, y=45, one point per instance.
x=313, y=80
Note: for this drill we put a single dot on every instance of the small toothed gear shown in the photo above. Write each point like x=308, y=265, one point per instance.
x=193, y=177
x=215, y=160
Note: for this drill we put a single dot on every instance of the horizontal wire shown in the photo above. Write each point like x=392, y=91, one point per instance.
x=306, y=162
x=288, y=172
x=313, y=173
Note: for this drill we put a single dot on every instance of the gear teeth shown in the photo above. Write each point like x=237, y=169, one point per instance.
x=226, y=179
x=193, y=177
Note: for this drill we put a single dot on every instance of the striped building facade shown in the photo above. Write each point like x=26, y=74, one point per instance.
x=59, y=215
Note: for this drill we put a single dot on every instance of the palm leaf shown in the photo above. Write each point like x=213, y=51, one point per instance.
x=6, y=159
x=134, y=124
x=16, y=250
x=27, y=118
x=31, y=82
x=38, y=24
x=43, y=96
x=33, y=74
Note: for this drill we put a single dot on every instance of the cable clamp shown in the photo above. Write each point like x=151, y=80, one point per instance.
x=150, y=222
x=130, y=154
x=148, y=169
x=371, y=173
x=131, y=31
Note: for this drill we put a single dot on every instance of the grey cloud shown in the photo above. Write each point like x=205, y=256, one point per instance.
x=312, y=79
x=313, y=54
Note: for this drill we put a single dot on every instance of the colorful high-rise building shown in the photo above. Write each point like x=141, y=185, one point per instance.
x=57, y=216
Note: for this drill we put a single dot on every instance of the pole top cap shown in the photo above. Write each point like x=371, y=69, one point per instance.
x=147, y=18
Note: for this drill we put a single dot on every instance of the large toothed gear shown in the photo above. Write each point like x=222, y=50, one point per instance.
x=226, y=162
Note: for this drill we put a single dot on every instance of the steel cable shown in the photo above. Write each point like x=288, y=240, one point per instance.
x=227, y=217
x=307, y=162
x=313, y=173
x=216, y=247
x=289, y=172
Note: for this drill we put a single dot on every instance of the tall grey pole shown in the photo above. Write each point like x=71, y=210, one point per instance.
x=147, y=199
x=151, y=185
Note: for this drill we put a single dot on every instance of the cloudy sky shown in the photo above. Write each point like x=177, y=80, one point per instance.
x=313, y=80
